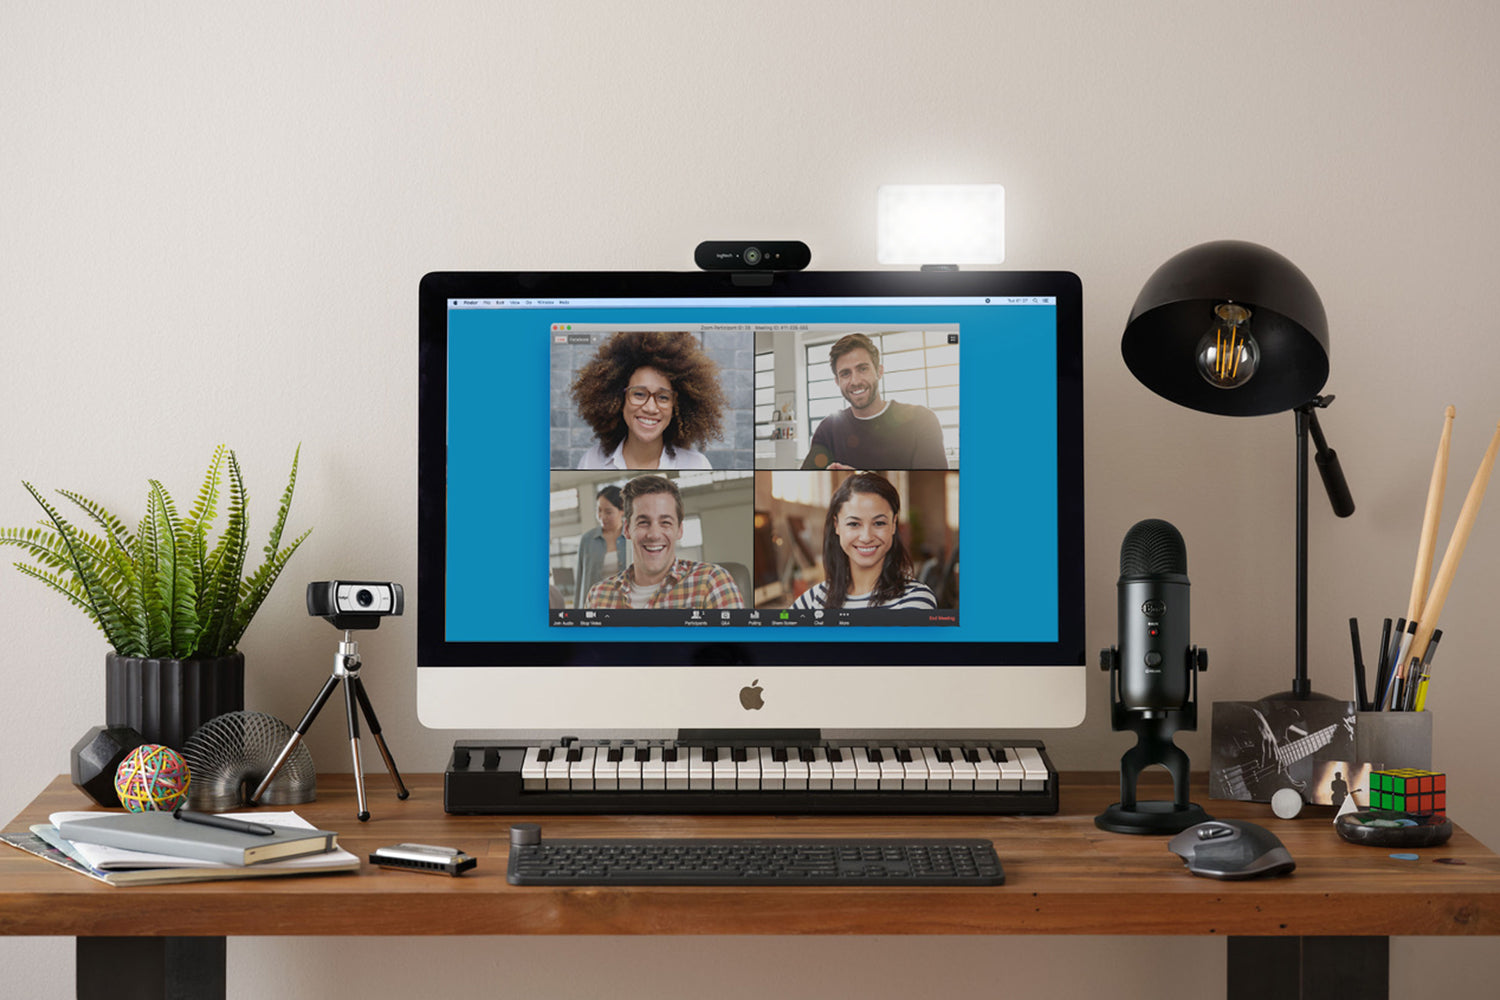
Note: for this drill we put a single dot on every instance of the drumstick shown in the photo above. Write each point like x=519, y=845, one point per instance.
x=1455, y=550
x=1434, y=512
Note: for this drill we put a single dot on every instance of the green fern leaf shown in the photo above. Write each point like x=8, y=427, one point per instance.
x=91, y=591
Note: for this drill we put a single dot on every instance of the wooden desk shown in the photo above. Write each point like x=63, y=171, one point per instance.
x=1063, y=876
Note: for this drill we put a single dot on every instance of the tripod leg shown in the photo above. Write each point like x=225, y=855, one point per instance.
x=374, y=723
x=359, y=770
x=296, y=738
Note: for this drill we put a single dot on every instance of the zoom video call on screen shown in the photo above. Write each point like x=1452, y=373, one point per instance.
x=795, y=468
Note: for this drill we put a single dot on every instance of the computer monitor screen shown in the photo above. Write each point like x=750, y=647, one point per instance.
x=692, y=501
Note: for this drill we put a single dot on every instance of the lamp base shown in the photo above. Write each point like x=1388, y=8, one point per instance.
x=1155, y=817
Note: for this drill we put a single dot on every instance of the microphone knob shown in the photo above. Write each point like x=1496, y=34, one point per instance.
x=1198, y=659
x=1108, y=658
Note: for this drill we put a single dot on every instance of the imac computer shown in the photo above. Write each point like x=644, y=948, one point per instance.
x=653, y=502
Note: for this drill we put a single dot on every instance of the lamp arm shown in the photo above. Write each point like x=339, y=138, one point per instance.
x=1327, y=461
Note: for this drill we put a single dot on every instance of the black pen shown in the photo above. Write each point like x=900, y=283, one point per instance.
x=222, y=822
x=1359, y=667
x=1380, y=666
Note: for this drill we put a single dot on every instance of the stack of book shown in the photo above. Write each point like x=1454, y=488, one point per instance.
x=152, y=848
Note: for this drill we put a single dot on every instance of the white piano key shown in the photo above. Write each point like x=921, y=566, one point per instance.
x=700, y=771
x=844, y=772
x=630, y=771
x=747, y=771
x=939, y=774
x=678, y=779
x=892, y=771
x=1011, y=772
x=557, y=770
x=866, y=771
x=726, y=771
x=915, y=777
x=581, y=771
x=533, y=771
x=1036, y=771
x=797, y=772
x=606, y=772
x=772, y=771
x=654, y=772
x=820, y=771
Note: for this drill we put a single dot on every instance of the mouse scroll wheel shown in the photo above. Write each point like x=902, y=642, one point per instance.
x=1213, y=832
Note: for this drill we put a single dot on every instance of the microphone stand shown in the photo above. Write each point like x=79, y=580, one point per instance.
x=1153, y=732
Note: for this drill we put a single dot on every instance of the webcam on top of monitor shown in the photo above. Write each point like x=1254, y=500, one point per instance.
x=752, y=255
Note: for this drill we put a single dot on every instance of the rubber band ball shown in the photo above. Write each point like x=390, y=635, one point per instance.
x=152, y=777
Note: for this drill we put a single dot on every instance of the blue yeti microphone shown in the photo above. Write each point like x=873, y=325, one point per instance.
x=1153, y=678
x=1156, y=658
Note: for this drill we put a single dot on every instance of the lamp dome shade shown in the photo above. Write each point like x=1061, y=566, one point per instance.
x=1176, y=307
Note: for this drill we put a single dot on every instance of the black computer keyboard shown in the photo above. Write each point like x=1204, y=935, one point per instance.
x=748, y=861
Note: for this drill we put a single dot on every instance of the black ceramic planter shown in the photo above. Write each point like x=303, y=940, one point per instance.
x=167, y=700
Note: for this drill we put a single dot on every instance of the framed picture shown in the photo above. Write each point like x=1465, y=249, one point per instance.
x=1261, y=747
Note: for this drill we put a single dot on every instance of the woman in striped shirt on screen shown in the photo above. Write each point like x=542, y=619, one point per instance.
x=865, y=562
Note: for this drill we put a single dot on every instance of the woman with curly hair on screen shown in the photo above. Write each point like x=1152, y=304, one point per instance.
x=648, y=396
x=865, y=562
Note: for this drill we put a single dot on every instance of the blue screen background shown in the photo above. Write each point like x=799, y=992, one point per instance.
x=499, y=418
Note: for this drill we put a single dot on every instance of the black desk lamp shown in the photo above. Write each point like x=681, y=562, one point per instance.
x=1234, y=328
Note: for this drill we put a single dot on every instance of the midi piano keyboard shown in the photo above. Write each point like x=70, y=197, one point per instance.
x=577, y=776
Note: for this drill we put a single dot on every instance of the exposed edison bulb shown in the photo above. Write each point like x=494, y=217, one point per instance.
x=1228, y=355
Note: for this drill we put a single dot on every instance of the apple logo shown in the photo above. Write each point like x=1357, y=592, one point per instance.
x=750, y=696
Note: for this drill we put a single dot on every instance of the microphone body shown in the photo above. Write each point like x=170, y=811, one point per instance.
x=1156, y=656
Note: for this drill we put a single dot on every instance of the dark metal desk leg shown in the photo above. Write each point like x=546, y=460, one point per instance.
x=146, y=968
x=1309, y=968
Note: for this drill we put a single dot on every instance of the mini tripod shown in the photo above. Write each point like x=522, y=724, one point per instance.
x=345, y=668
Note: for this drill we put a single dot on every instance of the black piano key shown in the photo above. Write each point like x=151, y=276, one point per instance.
x=779, y=754
x=873, y=755
x=835, y=754
x=805, y=755
x=575, y=754
x=615, y=755
x=738, y=755
x=997, y=754
x=642, y=754
x=710, y=754
x=669, y=754
x=945, y=754
x=544, y=754
x=903, y=754
x=971, y=755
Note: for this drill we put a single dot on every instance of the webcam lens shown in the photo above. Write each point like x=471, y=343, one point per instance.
x=364, y=597
x=752, y=256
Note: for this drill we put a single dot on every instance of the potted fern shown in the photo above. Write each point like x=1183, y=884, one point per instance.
x=172, y=600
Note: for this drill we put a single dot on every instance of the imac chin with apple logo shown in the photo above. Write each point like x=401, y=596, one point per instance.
x=750, y=696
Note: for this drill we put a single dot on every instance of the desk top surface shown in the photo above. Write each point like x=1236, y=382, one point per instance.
x=1063, y=876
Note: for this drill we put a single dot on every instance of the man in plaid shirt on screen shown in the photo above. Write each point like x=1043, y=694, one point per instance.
x=657, y=578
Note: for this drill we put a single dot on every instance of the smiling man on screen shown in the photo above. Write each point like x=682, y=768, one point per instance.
x=873, y=433
x=657, y=578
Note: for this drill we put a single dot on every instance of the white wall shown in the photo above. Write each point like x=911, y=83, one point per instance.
x=213, y=219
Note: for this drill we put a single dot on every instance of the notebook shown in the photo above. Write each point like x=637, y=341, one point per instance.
x=119, y=866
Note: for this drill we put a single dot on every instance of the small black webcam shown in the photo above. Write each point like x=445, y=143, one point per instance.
x=752, y=255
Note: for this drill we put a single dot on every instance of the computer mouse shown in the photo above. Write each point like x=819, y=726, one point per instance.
x=1231, y=849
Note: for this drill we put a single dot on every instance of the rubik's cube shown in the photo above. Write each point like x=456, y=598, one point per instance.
x=1409, y=790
